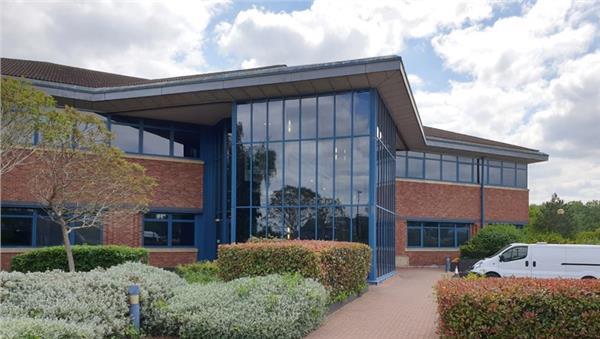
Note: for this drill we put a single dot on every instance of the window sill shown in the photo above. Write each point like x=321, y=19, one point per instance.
x=16, y=249
x=432, y=249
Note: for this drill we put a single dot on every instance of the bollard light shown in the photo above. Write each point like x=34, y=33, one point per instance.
x=134, y=305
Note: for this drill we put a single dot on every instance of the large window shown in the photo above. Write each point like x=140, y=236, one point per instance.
x=451, y=168
x=169, y=230
x=437, y=234
x=155, y=138
x=24, y=227
x=303, y=167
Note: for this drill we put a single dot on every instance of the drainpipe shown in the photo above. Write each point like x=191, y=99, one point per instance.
x=482, y=191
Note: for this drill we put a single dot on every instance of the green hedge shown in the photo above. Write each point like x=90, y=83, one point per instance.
x=86, y=258
x=342, y=267
x=518, y=308
x=199, y=272
x=490, y=240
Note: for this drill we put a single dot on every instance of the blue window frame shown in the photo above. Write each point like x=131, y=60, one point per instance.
x=434, y=234
x=31, y=227
x=169, y=230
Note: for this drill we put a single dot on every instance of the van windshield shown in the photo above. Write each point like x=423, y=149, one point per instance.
x=500, y=251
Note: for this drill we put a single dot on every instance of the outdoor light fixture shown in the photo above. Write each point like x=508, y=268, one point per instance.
x=560, y=211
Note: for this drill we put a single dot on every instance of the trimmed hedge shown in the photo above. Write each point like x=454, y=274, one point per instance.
x=490, y=240
x=518, y=308
x=342, y=267
x=199, y=273
x=86, y=258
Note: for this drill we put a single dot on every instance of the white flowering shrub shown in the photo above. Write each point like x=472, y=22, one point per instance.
x=97, y=298
x=272, y=306
x=18, y=328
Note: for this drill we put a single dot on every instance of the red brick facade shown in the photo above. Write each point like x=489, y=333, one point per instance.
x=180, y=185
x=449, y=201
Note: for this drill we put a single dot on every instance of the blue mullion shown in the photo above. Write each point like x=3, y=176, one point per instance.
x=251, y=197
x=334, y=161
x=301, y=121
x=233, y=169
x=34, y=228
x=317, y=202
x=374, y=106
x=171, y=142
x=141, y=137
x=169, y=230
x=351, y=164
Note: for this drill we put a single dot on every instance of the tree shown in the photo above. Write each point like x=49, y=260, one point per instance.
x=23, y=112
x=555, y=217
x=81, y=179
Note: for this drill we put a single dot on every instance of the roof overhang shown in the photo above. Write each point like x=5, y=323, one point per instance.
x=437, y=145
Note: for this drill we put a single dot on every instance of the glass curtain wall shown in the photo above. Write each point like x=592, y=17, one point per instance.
x=302, y=168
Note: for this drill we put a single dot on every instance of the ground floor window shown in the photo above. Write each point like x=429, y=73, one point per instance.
x=26, y=227
x=437, y=234
x=169, y=229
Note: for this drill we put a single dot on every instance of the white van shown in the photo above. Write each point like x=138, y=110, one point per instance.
x=542, y=260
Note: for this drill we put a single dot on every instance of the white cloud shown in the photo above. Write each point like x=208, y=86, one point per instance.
x=330, y=31
x=145, y=38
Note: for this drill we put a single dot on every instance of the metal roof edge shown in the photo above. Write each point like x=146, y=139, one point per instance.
x=533, y=155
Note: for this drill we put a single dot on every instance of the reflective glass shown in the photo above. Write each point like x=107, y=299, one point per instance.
x=292, y=119
x=309, y=118
x=325, y=116
x=360, y=224
x=260, y=224
x=243, y=122
x=155, y=233
x=343, y=163
x=415, y=168
x=465, y=172
x=521, y=178
x=259, y=121
x=325, y=171
x=448, y=171
x=276, y=120
x=308, y=172
x=48, y=232
x=292, y=168
x=290, y=222
x=324, y=223
x=260, y=154
x=243, y=175
x=342, y=223
x=361, y=113
x=242, y=217
x=88, y=236
x=126, y=138
x=16, y=231
x=183, y=234
x=360, y=189
x=156, y=141
x=414, y=237
x=432, y=169
x=508, y=176
x=343, y=114
x=307, y=223
x=430, y=237
x=275, y=173
x=462, y=235
x=447, y=237
x=401, y=167
x=494, y=176
x=186, y=144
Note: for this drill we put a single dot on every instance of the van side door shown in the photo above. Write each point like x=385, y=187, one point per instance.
x=515, y=262
x=547, y=260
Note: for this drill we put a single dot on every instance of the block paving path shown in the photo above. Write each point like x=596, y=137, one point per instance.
x=401, y=307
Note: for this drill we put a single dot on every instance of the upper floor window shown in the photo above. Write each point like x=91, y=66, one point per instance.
x=25, y=227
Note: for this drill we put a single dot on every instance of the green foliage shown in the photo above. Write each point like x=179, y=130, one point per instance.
x=532, y=236
x=272, y=306
x=86, y=258
x=588, y=237
x=554, y=216
x=341, y=267
x=586, y=216
x=19, y=328
x=518, y=308
x=200, y=272
x=490, y=240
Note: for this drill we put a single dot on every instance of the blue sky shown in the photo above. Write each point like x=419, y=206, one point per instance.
x=520, y=72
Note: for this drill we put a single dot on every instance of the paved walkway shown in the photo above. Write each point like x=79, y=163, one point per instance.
x=401, y=307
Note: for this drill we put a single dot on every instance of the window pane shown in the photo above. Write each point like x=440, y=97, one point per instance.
x=290, y=222
x=156, y=141
x=308, y=172
x=275, y=174
x=360, y=189
x=186, y=144
x=448, y=171
x=342, y=223
x=414, y=237
x=126, y=138
x=432, y=169
x=401, y=167
x=308, y=222
x=181, y=216
x=449, y=157
x=521, y=178
x=343, y=114
x=325, y=116
x=88, y=236
x=361, y=113
x=309, y=118
x=508, y=176
x=462, y=235
x=360, y=224
x=292, y=119
x=16, y=211
x=276, y=120
x=292, y=175
x=16, y=231
x=446, y=237
x=259, y=171
x=324, y=223
x=325, y=177
x=342, y=170
x=155, y=233
x=259, y=121
x=242, y=224
x=430, y=237
x=243, y=174
x=432, y=156
x=465, y=172
x=243, y=122
x=183, y=234
x=415, y=168
x=48, y=232
x=494, y=176
x=260, y=225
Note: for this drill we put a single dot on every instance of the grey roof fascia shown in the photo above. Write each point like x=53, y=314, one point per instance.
x=533, y=156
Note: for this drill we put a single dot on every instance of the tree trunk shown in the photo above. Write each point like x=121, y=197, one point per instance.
x=68, y=249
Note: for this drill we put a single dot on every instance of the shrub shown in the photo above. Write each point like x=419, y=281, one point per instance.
x=86, y=258
x=18, y=328
x=272, y=306
x=200, y=272
x=518, y=308
x=550, y=237
x=342, y=267
x=588, y=237
x=490, y=240
x=97, y=298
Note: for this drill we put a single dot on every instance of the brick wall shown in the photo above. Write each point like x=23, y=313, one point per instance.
x=172, y=258
x=445, y=201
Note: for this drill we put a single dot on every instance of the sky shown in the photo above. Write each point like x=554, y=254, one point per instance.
x=520, y=72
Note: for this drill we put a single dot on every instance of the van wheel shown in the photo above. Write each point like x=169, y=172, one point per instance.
x=588, y=277
x=492, y=275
